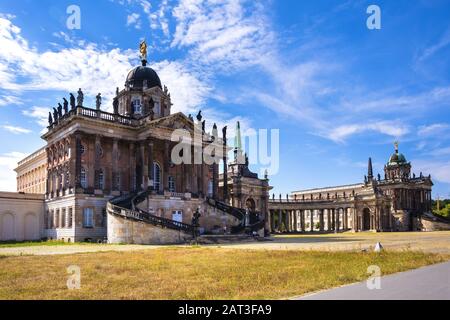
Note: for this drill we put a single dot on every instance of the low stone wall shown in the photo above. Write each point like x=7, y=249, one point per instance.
x=121, y=230
x=430, y=225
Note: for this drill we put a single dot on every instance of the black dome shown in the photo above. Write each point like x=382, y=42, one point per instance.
x=136, y=77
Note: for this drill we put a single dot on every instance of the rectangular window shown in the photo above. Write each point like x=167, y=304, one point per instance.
x=88, y=218
x=63, y=218
x=69, y=219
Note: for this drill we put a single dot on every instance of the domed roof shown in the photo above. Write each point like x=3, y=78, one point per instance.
x=397, y=158
x=138, y=75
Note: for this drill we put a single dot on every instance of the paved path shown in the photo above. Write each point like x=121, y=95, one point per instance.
x=70, y=249
x=428, y=283
x=434, y=242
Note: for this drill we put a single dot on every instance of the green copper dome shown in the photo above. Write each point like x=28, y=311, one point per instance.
x=397, y=158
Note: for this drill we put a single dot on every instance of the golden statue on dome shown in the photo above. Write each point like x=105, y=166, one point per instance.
x=143, y=51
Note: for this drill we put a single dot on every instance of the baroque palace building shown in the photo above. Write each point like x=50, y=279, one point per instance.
x=112, y=176
x=398, y=201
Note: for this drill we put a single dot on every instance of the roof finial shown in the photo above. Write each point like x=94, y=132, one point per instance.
x=143, y=51
x=396, y=146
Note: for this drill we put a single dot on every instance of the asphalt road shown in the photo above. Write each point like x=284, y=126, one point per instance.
x=428, y=283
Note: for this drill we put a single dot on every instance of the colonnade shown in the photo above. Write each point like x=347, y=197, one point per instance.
x=311, y=220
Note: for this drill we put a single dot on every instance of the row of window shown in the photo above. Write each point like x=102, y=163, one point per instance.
x=63, y=218
x=117, y=182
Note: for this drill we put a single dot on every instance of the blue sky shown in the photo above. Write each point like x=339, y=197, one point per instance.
x=337, y=91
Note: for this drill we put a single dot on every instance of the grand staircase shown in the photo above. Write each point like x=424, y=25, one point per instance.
x=255, y=223
x=126, y=207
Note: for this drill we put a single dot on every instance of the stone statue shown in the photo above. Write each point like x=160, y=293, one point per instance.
x=72, y=102
x=379, y=177
x=117, y=91
x=214, y=132
x=166, y=91
x=116, y=105
x=50, y=120
x=66, y=106
x=224, y=133
x=98, y=101
x=80, y=98
x=191, y=118
x=199, y=116
x=203, y=125
x=60, y=110
x=55, y=115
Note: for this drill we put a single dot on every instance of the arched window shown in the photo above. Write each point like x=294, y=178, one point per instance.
x=156, y=176
x=83, y=178
x=171, y=184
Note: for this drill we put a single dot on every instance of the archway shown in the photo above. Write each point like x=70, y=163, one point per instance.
x=7, y=227
x=250, y=205
x=366, y=219
x=31, y=227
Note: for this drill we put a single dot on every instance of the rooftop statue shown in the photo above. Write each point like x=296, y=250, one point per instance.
x=66, y=106
x=72, y=102
x=98, y=101
x=80, y=98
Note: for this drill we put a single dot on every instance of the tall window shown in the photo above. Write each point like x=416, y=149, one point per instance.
x=171, y=184
x=88, y=217
x=63, y=218
x=136, y=105
x=83, y=178
x=101, y=180
x=70, y=217
x=210, y=188
x=156, y=176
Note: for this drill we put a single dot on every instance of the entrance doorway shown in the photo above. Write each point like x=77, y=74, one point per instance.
x=366, y=219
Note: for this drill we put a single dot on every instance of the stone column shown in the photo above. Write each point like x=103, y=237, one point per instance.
x=280, y=220
x=328, y=220
x=287, y=222
x=322, y=221
x=295, y=220
x=132, y=167
x=150, y=164
x=144, y=166
x=97, y=167
x=336, y=230
x=115, y=165
x=311, y=213
x=166, y=166
x=77, y=160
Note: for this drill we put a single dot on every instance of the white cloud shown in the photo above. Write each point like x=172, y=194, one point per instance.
x=40, y=114
x=433, y=129
x=6, y=100
x=15, y=130
x=442, y=43
x=8, y=162
x=134, y=20
x=222, y=32
x=439, y=170
x=390, y=128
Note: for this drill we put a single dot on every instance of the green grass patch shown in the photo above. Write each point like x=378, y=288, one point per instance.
x=196, y=273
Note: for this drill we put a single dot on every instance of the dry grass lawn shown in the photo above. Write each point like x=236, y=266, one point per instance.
x=196, y=273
